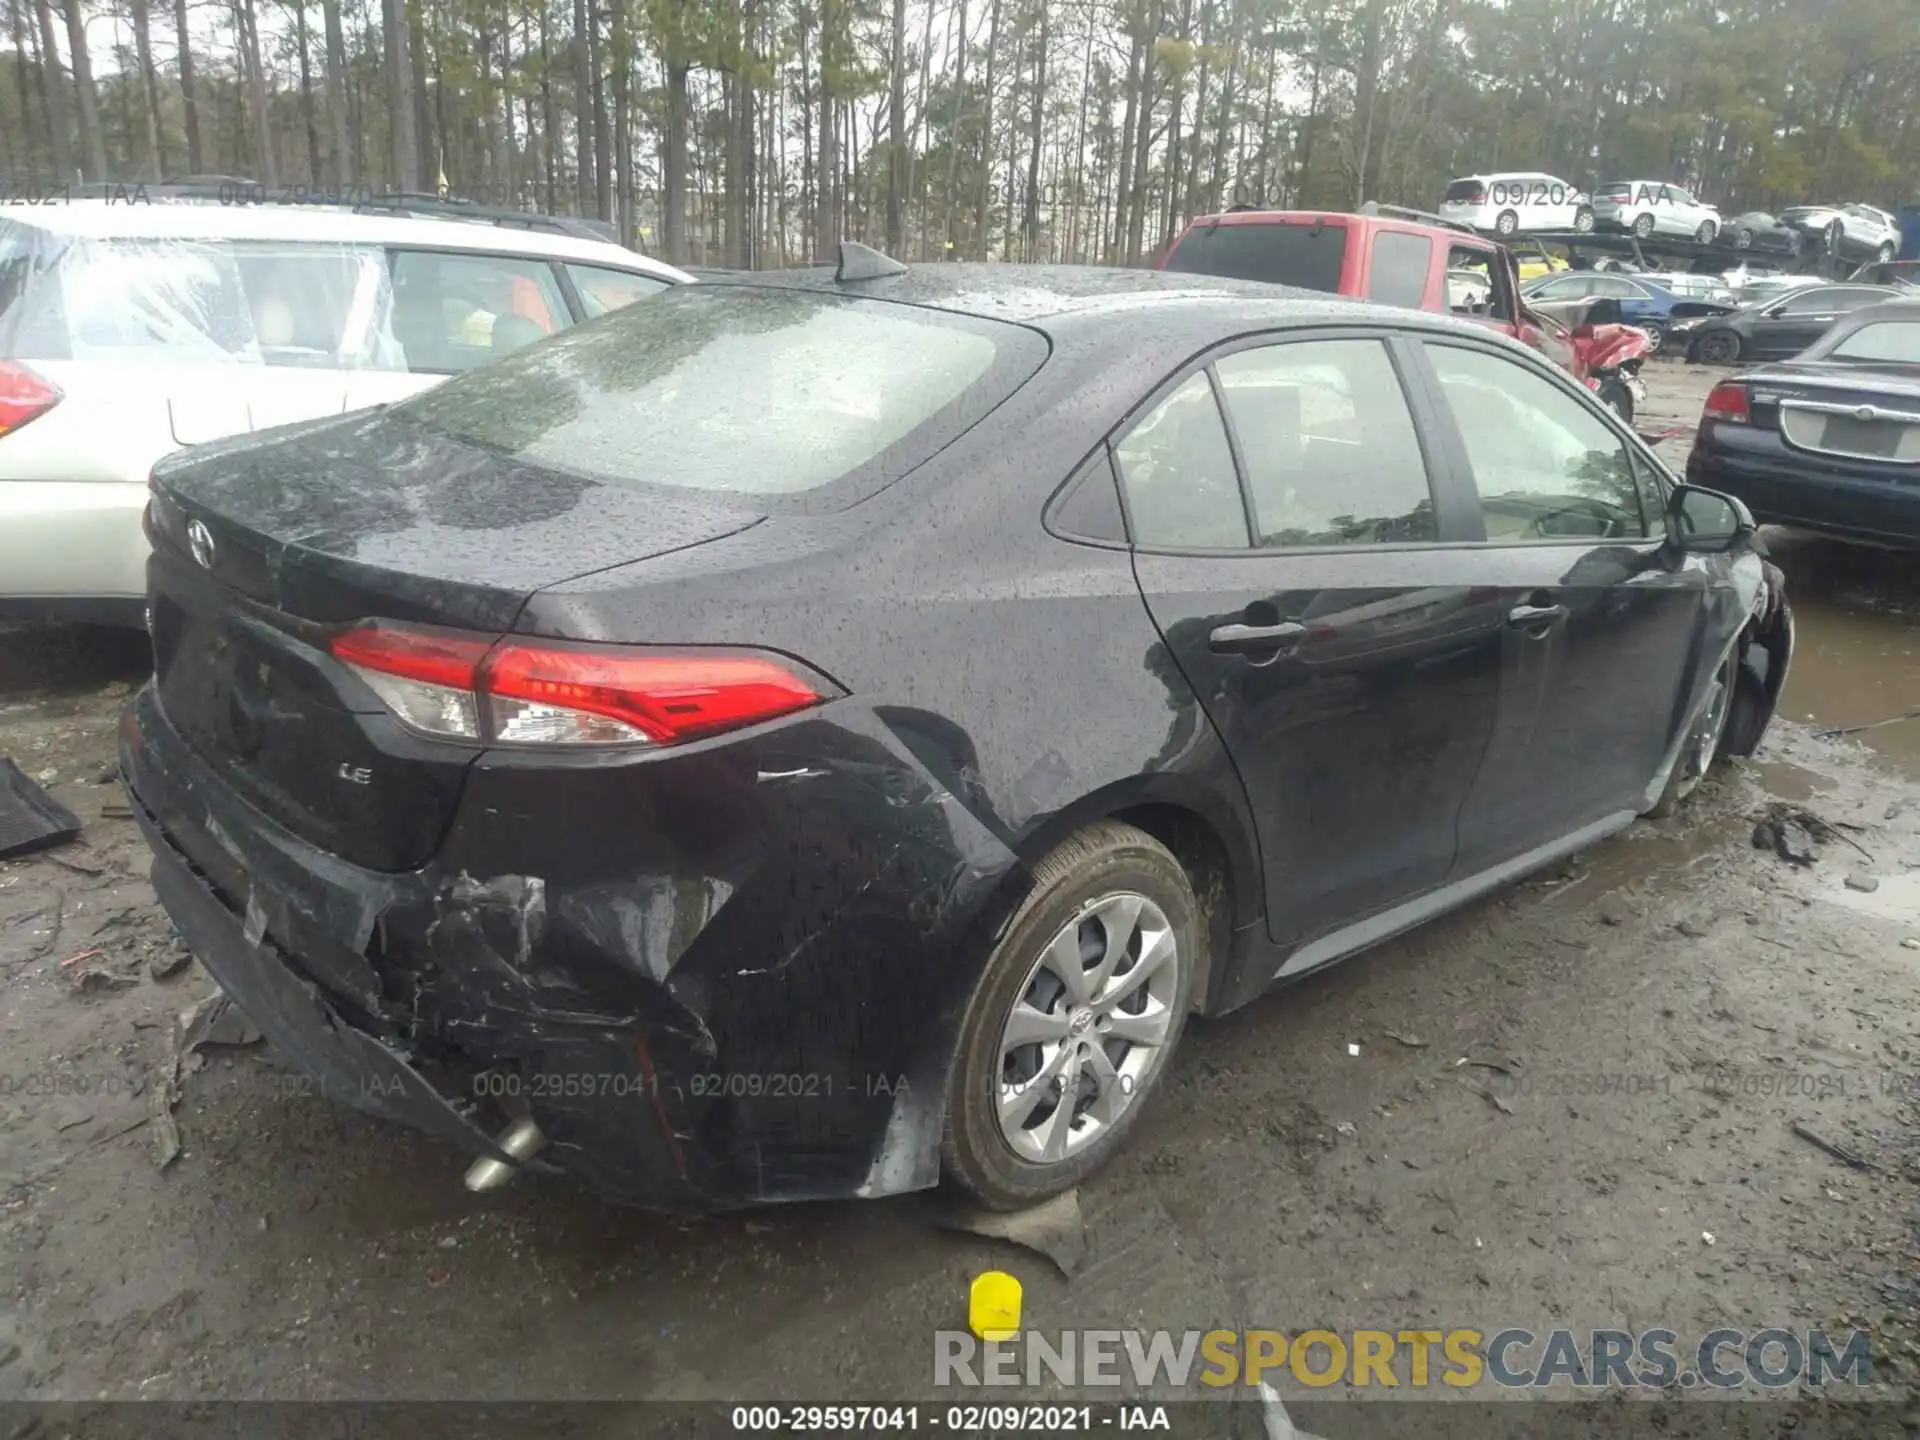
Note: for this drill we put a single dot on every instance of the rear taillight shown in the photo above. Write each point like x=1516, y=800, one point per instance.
x=1728, y=403
x=509, y=691
x=1479, y=197
x=24, y=396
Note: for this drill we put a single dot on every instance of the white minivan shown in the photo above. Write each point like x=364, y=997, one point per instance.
x=129, y=330
x=1517, y=202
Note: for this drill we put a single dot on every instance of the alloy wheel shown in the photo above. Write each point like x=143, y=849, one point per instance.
x=1743, y=239
x=1583, y=221
x=1719, y=348
x=1643, y=227
x=1704, y=741
x=1089, y=1028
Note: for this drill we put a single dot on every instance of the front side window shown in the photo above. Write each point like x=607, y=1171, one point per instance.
x=1329, y=445
x=739, y=389
x=1547, y=467
x=1176, y=468
x=1817, y=301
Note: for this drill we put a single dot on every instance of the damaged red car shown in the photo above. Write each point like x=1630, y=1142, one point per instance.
x=815, y=736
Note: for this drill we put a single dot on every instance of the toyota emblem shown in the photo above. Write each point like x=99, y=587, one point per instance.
x=200, y=539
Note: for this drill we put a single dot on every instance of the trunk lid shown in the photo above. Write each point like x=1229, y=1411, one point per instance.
x=262, y=550
x=1852, y=412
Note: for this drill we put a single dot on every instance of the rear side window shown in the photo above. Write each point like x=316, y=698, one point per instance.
x=741, y=389
x=452, y=313
x=1896, y=341
x=1398, y=274
x=1329, y=444
x=1469, y=191
x=602, y=290
x=1308, y=256
x=1177, y=470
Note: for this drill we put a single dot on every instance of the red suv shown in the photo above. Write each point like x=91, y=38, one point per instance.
x=1383, y=256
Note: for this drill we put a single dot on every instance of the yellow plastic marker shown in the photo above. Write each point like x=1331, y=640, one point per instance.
x=994, y=1306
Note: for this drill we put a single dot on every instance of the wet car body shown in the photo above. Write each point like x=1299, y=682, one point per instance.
x=732, y=970
x=1830, y=440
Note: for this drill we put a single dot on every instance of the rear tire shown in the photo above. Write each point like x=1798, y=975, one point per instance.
x=1885, y=252
x=1583, y=220
x=1743, y=239
x=1643, y=226
x=1720, y=347
x=1506, y=223
x=1614, y=394
x=1111, y=895
x=1706, y=741
x=1704, y=235
x=1657, y=333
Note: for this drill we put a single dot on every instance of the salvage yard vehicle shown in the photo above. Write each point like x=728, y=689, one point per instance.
x=1517, y=201
x=807, y=736
x=1643, y=303
x=1758, y=230
x=1778, y=326
x=1853, y=232
x=1829, y=440
x=127, y=331
x=1654, y=207
x=1399, y=256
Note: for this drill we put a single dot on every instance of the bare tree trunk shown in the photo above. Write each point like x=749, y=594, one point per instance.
x=336, y=71
x=953, y=119
x=916, y=182
x=1031, y=225
x=190, y=111
x=426, y=153
x=149, y=89
x=1080, y=155
x=400, y=162
x=986, y=139
x=55, y=96
x=806, y=124
x=256, y=86
x=602, y=124
x=1123, y=191
x=1143, y=140
x=673, y=165
x=623, y=124
x=582, y=116
x=16, y=27
x=548, y=134
x=897, y=126
x=91, y=140
x=314, y=170
x=827, y=227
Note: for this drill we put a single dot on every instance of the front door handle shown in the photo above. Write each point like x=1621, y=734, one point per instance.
x=1247, y=639
x=1535, y=617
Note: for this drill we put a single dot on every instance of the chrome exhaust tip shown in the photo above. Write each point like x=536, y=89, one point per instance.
x=522, y=1140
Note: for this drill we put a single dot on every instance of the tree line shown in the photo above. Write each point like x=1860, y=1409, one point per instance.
x=760, y=132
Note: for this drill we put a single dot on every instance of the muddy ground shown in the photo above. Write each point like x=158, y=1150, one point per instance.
x=1665, y=1008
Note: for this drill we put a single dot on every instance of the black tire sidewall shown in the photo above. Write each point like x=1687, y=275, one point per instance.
x=1506, y=223
x=973, y=1154
x=1615, y=387
x=1583, y=214
x=1642, y=226
x=1709, y=347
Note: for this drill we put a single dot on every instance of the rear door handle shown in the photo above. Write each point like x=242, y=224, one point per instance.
x=1531, y=617
x=1245, y=639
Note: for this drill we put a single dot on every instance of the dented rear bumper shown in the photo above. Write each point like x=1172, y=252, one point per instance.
x=693, y=1025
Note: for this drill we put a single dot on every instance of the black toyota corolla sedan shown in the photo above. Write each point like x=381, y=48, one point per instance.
x=1829, y=440
x=815, y=736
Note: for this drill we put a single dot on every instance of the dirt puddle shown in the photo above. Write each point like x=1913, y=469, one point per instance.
x=1856, y=665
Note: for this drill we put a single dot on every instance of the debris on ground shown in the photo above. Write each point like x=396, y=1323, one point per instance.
x=1054, y=1229
x=30, y=819
x=1412, y=1042
x=1839, y=1152
x=993, y=1306
x=1865, y=884
x=215, y=1020
x=1791, y=832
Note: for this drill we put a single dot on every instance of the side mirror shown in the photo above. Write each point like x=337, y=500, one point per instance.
x=1705, y=522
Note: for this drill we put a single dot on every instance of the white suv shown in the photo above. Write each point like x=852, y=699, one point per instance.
x=1863, y=232
x=127, y=331
x=1654, y=207
x=1517, y=202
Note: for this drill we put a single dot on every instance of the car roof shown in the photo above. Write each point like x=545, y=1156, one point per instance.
x=147, y=220
x=1088, y=301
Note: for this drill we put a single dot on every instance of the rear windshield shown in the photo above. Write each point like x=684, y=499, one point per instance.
x=1895, y=341
x=1464, y=190
x=1615, y=189
x=1308, y=256
x=743, y=389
